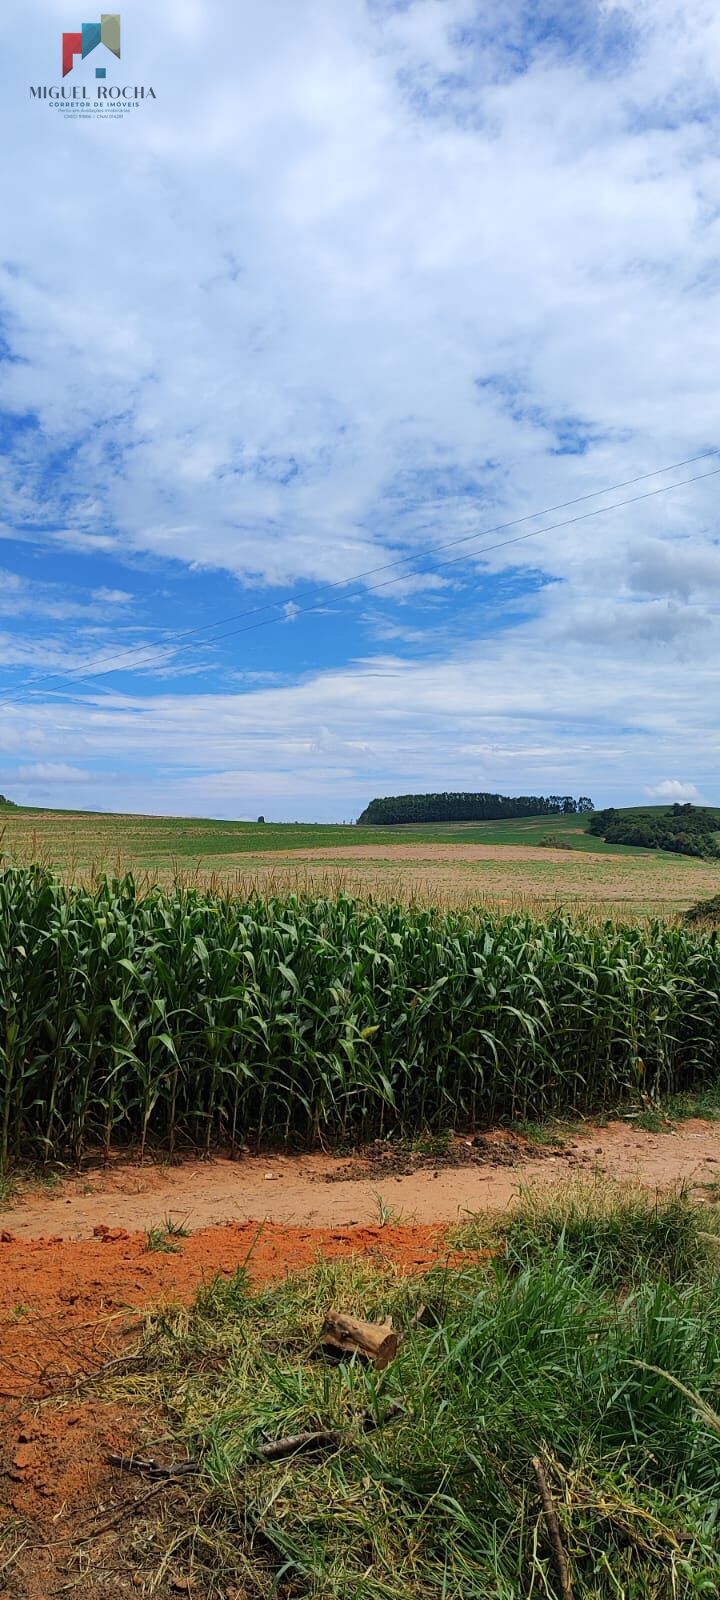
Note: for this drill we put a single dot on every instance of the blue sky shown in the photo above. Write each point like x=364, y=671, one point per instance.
x=363, y=279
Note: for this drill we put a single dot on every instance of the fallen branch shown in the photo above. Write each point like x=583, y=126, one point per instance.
x=553, y=1527
x=295, y=1444
x=292, y=1444
x=321, y=1438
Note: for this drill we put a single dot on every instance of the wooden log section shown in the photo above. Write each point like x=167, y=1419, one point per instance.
x=345, y=1335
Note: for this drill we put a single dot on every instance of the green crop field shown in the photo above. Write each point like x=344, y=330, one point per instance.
x=198, y=1019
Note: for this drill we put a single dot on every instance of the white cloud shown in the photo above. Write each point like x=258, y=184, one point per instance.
x=506, y=713
x=549, y=226
x=455, y=267
x=50, y=773
x=673, y=789
x=112, y=597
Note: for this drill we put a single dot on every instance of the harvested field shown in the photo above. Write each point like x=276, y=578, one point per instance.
x=503, y=875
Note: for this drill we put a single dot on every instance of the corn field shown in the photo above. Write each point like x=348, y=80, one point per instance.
x=184, y=1019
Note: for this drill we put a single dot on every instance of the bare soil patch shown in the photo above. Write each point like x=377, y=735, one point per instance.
x=501, y=1148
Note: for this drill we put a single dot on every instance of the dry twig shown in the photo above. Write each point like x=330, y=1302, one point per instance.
x=292, y=1444
x=553, y=1527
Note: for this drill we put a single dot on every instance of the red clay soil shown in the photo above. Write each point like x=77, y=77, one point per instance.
x=69, y=1306
x=66, y=1301
x=68, y=1517
x=58, y=1458
x=66, y=1306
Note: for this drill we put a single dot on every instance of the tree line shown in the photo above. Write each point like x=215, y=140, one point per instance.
x=469, y=807
x=685, y=830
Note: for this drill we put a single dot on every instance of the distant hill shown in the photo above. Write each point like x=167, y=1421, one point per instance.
x=468, y=807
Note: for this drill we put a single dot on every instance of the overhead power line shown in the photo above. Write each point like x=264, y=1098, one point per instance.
x=147, y=654
x=314, y=592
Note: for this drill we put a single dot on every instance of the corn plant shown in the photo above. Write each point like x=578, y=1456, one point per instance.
x=181, y=1018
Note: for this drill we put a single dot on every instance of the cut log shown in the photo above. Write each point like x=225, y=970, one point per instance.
x=345, y=1335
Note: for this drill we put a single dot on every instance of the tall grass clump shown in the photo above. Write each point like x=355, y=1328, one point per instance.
x=176, y=1016
x=621, y=1233
x=614, y=1391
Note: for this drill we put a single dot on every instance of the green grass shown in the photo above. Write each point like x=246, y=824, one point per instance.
x=552, y=1134
x=664, y=1116
x=661, y=1117
x=592, y=1340
x=163, y=1237
x=700, y=1103
x=190, y=1020
x=619, y=1235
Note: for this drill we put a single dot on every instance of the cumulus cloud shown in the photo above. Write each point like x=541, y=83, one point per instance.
x=673, y=789
x=408, y=313
x=461, y=265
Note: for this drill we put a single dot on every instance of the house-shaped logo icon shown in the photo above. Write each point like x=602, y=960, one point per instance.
x=106, y=31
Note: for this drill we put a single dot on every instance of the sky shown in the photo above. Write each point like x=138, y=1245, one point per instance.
x=365, y=279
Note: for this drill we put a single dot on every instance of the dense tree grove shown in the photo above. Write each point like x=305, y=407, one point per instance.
x=469, y=807
x=685, y=829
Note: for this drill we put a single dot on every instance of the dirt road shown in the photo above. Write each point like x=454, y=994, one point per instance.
x=329, y=1191
x=75, y=1268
